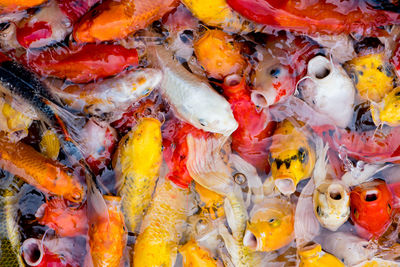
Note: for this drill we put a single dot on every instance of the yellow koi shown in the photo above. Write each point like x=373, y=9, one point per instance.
x=313, y=256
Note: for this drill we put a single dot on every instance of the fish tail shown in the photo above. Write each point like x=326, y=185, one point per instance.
x=206, y=166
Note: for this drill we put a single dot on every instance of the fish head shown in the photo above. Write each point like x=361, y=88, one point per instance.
x=216, y=118
x=372, y=76
x=313, y=255
x=331, y=203
x=195, y=255
x=371, y=206
x=271, y=225
x=272, y=81
x=291, y=157
x=387, y=111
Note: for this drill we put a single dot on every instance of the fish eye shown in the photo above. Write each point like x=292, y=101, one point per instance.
x=275, y=72
x=239, y=178
x=319, y=212
x=203, y=122
x=303, y=155
x=274, y=222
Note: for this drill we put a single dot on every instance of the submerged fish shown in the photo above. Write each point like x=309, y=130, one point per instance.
x=9, y=229
x=386, y=112
x=196, y=256
x=108, y=236
x=137, y=165
x=371, y=208
x=192, y=99
x=157, y=243
x=50, y=145
x=219, y=54
x=314, y=256
x=116, y=20
x=271, y=225
x=111, y=96
x=8, y=6
x=49, y=176
x=292, y=158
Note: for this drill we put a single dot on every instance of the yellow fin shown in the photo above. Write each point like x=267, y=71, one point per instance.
x=50, y=145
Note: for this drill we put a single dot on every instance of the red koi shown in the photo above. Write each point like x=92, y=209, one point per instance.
x=64, y=220
x=80, y=64
x=382, y=144
x=251, y=139
x=371, y=206
x=175, y=152
x=328, y=17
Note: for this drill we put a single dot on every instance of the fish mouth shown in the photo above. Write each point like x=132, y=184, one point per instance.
x=319, y=67
x=251, y=241
x=32, y=251
x=336, y=192
x=259, y=99
x=285, y=185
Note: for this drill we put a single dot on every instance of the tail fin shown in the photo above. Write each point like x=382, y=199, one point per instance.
x=205, y=165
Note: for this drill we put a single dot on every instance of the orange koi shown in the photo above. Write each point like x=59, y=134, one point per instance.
x=116, y=20
x=8, y=6
x=108, y=236
x=64, y=220
x=47, y=175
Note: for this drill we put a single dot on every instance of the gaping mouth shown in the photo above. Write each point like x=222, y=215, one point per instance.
x=285, y=185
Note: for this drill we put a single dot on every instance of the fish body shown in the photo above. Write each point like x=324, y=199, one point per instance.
x=372, y=75
x=212, y=203
x=9, y=229
x=175, y=150
x=371, y=208
x=116, y=20
x=75, y=9
x=271, y=224
x=292, y=158
x=196, y=256
x=64, y=220
x=111, y=96
x=331, y=202
x=314, y=256
x=193, y=100
x=157, y=243
x=252, y=137
x=80, y=64
x=328, y=87
x=108, y=236
x=385, y=112
x=47, y=175
x=9, y=6
x=48, y=26
x=219, y=54
x=331, y=18
x=138, y=162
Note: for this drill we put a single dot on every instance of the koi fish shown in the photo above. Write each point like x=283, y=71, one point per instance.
x=196, y=256
x=372, y=75
x=9, y=229
x=331, y=18
x=271, y=225
x=50, y=145
x=212, y=203
x=80, y=64
x=108, y=236
x=226, y=58
x=48, y=26
x=193, y=100
x=371, y=208
x=157, y=243
x=64, y=220
x=331, y=197
x=63, y=252
x=109, y=97
x=175, y=150
x=267, y=229
x=7, y=6
x=327, y=87
x=49, y=176
x=385, y=112
x=251, y=139
x=116, y=20
x=137, y=165
x=313, y=255
x=282, y=63
x=292, y=158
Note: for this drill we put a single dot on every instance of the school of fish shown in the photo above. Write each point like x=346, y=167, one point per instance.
x=184, y=133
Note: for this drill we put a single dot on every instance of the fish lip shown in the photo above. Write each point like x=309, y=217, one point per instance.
x=27, y=249
x=285, y=185
x=251, y=241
